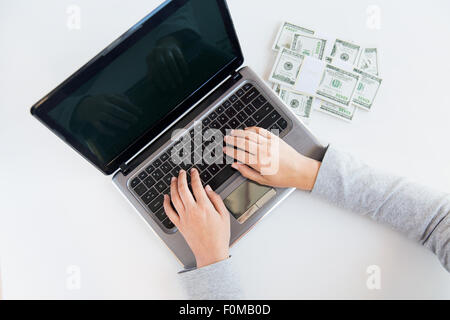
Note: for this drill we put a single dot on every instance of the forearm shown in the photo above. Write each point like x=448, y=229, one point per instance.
x=213, y=282
x=419, y=212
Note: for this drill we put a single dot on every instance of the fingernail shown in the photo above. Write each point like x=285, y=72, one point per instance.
x=234, y=165
x=232, y=132
x=173, y=179
x=208, y=188
x=193, y=170
x=181, y=171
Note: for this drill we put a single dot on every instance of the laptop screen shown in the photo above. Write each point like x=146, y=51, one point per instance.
x=135, y=86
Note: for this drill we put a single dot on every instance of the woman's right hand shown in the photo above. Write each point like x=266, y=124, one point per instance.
x=266, y=159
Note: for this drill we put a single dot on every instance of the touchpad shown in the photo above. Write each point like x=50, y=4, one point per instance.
x=246, y=199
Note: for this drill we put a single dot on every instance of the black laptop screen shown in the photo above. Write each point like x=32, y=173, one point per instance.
x=142, y=82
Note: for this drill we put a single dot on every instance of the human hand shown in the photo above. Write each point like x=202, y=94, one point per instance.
x=201, y=217
x=256, y=148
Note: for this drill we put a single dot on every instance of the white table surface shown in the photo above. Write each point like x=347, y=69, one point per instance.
x=58, y=211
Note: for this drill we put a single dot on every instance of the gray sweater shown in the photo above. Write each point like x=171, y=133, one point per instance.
x=420, y=213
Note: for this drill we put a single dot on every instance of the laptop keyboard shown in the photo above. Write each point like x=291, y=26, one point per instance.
x=245, y=108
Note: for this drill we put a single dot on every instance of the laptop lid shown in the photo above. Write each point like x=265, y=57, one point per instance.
x=145, y=80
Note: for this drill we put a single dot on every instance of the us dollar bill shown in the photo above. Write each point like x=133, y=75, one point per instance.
x=299, y=103
x=345, y=51
x=286, y=68
x=337, y=85
x=277, y=88
x=366, y=89
x=368, y=61
x=308, y=46
x=286, y=34
x=343, y=113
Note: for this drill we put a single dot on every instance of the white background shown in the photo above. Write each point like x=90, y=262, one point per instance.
x=57, y=210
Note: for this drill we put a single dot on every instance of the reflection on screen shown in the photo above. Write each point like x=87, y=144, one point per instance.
x=147, y=81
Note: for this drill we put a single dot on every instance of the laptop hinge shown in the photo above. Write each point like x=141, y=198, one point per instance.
x=124, y=168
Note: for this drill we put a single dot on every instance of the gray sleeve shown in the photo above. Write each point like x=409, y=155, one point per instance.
x=420, y=213
x=213, y=282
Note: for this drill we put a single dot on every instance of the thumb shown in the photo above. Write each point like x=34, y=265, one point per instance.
x=248, y=172
x=216, y=201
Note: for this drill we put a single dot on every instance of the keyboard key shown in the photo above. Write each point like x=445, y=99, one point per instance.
x=238, y=106
x=233, y=99
x=168, y=224
x=240, y=92
x=150, y=169
x=220, y=109
x=134, y=182
x=166, y=167
x=250, y=122
x=226, y=104
x=205, y=176
x=233, y=123
x=206, y=122
x=157, y=163
x=160, y=186
x=156, y=204
x=164, y=157
x=176, y=171
x=241, y=116
x=249, y=110
x=215, y=125
x=213, y=115
x=222, y=119
x=161, y=214
x=247, y=86
x=157, y=174
x=269, y=120
x=275, y=128
x=140, y=189
x=230, y=112
x=143, y=175
x=220, y=178
x=167, y=179
x=282, y=123
x=149, y=182
x=263, y=112
x=259, y=102
x=250, y=95
x=213, y=169
x=149, y=196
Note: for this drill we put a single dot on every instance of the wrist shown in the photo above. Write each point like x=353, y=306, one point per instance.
x=210, y=259
x=307, y=171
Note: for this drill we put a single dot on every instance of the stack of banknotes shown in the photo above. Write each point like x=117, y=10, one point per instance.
x=316, y=72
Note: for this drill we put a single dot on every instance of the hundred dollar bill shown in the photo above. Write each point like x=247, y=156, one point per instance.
x=308, y=46
x=299, y=103
x=286, y=34
x=366, y=90
x=277, y=88
x=368, y=61
x=343, y=113
x=345, y=51
x=286, y=68
x=337, y=85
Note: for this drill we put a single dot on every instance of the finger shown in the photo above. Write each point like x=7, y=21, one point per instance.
x=173, y=216
x=197, y=187
x=251, y=135
x=241, y=156
x=242, y=143
x=183, y=190
x=217, y=201
x=248, y=172
x=261, y=131
x=173, y=67
x=175, y=197
x=181, y=61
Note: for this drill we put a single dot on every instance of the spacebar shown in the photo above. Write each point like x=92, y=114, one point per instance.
x=221, y=177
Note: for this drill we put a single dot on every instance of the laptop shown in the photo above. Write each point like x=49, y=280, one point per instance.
x=150, y=98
